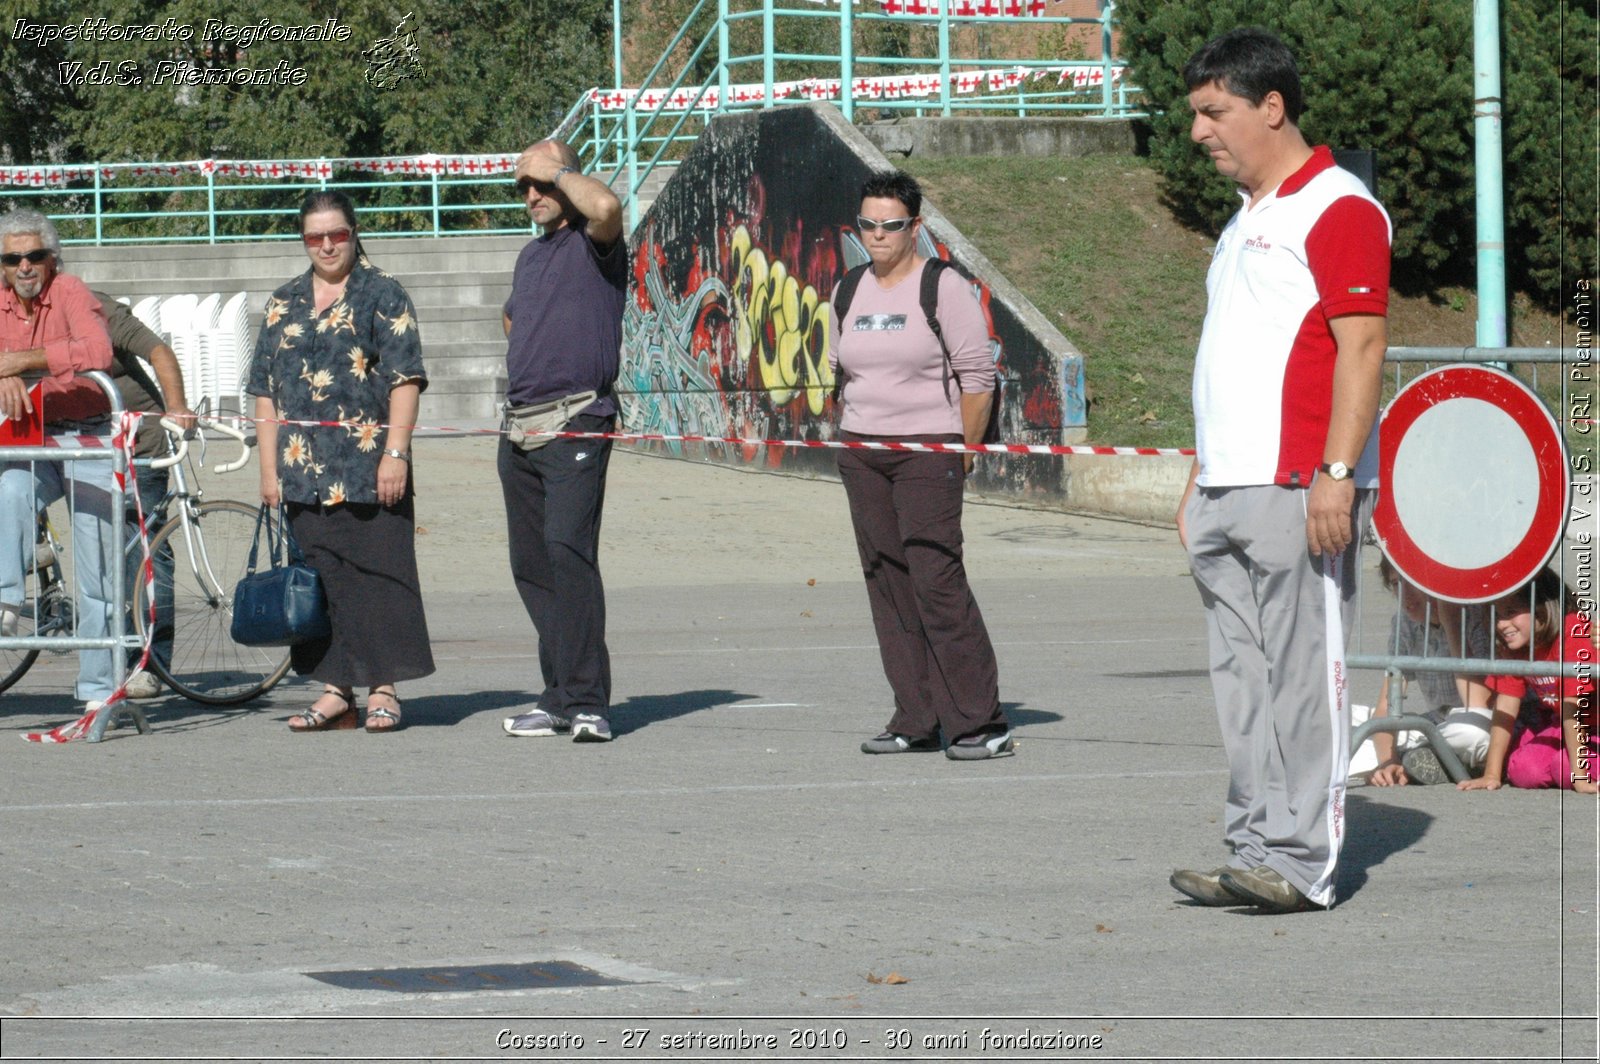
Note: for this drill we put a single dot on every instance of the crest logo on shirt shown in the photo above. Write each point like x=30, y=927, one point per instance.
x=880, y=323
x=1258, y=244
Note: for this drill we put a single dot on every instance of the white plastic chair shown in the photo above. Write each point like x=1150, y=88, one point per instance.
x=233, y=321
x=191, y=364
x=148, y=310
x=177, y=313
x=205, y=312
x=222, y=365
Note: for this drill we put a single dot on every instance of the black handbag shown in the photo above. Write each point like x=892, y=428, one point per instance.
x=284, y=604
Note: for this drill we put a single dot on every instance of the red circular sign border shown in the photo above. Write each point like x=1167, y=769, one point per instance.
x=1516, y=400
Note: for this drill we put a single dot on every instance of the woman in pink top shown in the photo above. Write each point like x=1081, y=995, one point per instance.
x=1552, y=743
x=906, y=506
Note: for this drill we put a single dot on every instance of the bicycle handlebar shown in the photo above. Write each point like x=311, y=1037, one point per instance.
x=181, y=450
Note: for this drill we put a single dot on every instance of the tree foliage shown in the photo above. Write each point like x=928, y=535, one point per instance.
x=497, y=74
x=1550, y=148
x=1398, y=78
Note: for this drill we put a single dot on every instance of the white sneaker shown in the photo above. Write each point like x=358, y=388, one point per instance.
x=143, y=685
x=8, y=621
x=95, y=706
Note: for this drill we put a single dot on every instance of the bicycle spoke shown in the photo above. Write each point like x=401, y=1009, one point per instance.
x=210, y=545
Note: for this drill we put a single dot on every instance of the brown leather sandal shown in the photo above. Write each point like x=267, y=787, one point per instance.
x=314, y=719
x=383, y=713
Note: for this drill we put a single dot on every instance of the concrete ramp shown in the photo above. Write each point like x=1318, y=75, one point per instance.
x=726, y=330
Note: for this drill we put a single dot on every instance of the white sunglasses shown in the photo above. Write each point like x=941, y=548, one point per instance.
x=893, y=225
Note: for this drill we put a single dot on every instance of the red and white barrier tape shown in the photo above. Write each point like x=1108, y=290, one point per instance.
x=129, y=424
x=743, y=441
x=121, y=440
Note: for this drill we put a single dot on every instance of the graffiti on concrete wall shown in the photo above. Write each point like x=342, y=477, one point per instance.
x=727, y=327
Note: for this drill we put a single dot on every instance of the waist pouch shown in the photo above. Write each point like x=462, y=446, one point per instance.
x=528, y=427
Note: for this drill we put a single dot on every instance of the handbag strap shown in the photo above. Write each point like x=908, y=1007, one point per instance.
x=291, y=549
x=255, y=540
x=281, y=543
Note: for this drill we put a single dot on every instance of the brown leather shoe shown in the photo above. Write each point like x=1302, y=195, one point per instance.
x=1266, y=889
x=1203, y=887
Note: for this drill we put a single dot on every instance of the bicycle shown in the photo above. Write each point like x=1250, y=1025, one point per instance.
x=209, y=541
x=52, y=614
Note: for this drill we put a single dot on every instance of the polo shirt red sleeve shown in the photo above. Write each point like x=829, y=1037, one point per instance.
x=1347, y=252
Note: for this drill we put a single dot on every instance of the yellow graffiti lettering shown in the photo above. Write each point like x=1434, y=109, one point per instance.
x=816, y=325
x=781, y=324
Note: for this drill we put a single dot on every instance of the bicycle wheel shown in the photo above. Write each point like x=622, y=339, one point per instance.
x=51, y=614
x=207, y=665
x=13, y=663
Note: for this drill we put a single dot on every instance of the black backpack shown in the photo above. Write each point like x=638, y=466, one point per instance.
x=929, y=298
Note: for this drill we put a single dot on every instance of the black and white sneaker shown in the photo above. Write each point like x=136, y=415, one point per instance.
x=590, y=728
x=894, y=743
x=537, y=723
x=981, y=746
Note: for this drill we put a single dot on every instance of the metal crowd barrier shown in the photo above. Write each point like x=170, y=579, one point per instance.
x=1394, y=666
x=117, y=637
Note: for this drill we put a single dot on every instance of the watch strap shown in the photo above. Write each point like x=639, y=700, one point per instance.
x=1337, y=470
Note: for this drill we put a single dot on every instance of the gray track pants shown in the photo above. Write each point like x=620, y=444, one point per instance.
x=1277, y=618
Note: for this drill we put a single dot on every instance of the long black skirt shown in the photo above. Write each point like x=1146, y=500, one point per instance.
x=367, y=557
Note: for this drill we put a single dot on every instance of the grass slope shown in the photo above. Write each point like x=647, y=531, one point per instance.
x=1090, y=242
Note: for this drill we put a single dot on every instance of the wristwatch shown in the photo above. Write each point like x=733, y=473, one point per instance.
x=404, y=456
x=563, y=172
x=1335, y=470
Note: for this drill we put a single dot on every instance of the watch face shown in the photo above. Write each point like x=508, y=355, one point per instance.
x=1338, y=471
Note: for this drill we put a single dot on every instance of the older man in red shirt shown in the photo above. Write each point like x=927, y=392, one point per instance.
x=51, y=326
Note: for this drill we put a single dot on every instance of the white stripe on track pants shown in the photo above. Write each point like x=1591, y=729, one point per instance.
x=1278, y=618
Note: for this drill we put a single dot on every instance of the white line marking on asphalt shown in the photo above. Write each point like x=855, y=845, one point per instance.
x=740, y=648
x=632, y=792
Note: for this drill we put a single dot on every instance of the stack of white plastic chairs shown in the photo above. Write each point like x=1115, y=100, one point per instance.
x=227, y=342
x=210, y=338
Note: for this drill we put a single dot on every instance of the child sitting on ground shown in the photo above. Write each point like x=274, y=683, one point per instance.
x=1552, y=743
x=1457, y=704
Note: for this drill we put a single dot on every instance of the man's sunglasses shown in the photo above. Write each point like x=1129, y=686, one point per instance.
x=893, y=225
x=36, y=256
x=526, y=183
x=338, y=236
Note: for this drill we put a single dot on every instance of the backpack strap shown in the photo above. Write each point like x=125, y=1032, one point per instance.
x=847, y=291
x=842, y=299
x=929, y=296
x=931, y=268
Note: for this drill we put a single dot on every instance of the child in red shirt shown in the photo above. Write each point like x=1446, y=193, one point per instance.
x=1556, y=731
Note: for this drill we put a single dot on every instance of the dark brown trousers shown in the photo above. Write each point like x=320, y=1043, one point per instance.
x=906, y=508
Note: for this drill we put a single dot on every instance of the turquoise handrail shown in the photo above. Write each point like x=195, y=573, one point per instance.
x=626, y=131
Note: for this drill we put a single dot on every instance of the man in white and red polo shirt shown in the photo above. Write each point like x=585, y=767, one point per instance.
x=1286, y=387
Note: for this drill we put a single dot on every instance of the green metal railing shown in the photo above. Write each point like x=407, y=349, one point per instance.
x=205, y=208
x=662, y=116
x=720, y=59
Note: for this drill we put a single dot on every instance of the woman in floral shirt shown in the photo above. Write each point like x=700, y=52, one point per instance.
x=340, y=346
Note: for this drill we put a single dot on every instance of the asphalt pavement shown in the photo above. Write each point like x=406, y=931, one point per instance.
x=731, y=878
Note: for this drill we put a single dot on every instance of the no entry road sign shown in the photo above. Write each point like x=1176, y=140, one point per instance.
x=1474, y=487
